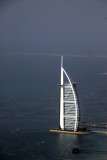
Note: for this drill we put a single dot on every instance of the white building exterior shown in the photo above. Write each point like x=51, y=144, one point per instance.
x=69, y=107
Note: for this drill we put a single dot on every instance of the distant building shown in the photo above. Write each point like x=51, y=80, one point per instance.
x=69, y=105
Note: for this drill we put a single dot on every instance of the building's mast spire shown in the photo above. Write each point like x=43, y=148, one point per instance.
x=62, y=81
x=61, y=61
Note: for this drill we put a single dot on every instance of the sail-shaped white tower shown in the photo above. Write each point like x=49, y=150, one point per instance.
x=69, y=106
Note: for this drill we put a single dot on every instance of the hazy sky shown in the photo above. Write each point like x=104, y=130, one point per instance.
x=54, y=26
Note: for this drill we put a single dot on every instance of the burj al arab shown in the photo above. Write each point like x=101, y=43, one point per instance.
x=69, y=107
x=69, y=121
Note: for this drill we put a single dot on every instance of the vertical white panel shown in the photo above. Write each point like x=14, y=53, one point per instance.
x=61, y=97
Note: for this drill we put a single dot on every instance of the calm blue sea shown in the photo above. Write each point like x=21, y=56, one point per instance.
x=42, y=145
x=29, y=106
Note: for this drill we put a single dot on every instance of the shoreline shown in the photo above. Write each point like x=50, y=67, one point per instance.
x=69, y=132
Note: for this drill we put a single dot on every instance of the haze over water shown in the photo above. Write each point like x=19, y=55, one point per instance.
x=29, y=95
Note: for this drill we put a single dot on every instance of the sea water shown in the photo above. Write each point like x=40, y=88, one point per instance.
x=43, y=145
x=29, y=102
